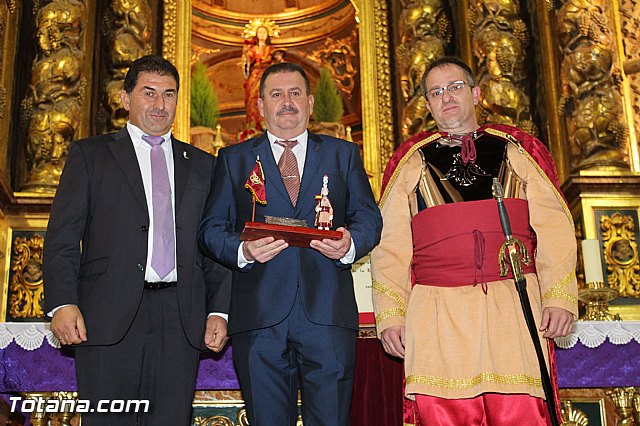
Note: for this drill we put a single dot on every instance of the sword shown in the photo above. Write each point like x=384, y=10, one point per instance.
x=513, y=247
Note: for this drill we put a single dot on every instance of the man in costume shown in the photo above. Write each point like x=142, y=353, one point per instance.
x=293, y=312
x=440, y=299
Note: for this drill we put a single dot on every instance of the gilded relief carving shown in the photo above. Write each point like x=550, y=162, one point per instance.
x=3, y=90
x=385, y=119
x=213, y=421
x=129, y=37
x=11, y=6
x=572, y=416
x=338, y=56
x=169, y=25
x=56, y=92
x=627, y=402
x=629, y=23
x=500, y=40
x=3, y=101
x=621, y=254
x=26, y=292
x=591, y=85
x=424, y=36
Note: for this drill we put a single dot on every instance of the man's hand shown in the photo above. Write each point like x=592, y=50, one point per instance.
x=215, y=335
x=556, y=322
x=263, y=250
x=68, y=326
x=334, y=249
x=393, y=340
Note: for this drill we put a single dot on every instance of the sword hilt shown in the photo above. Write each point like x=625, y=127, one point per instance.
x=498, y=194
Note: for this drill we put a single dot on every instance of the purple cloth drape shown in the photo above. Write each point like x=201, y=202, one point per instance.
x=48, y=369
x=607, y=365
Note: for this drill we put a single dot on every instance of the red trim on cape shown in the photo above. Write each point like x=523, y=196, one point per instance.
x=533, y=146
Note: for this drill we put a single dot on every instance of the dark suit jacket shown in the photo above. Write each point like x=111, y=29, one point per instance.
x=263, y=294
x=95, y=248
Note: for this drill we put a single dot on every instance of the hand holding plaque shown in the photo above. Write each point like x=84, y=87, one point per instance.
x=294, y=231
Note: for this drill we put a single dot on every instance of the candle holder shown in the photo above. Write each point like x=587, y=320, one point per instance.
x=596, y=298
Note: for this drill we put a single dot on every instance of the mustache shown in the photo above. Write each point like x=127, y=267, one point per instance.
x=286, y=109
x=159, y=112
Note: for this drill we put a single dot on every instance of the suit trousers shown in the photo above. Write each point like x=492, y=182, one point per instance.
x=154, y=361
x=272, y=362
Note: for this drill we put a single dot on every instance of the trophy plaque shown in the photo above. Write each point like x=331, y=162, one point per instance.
x=294, y=231
x=298, y=236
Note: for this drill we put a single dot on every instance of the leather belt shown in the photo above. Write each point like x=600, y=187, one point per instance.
x=159, y=285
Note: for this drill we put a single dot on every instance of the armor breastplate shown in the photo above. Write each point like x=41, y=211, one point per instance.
x=445, y=179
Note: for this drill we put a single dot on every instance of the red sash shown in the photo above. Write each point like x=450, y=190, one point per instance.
x=458, y=244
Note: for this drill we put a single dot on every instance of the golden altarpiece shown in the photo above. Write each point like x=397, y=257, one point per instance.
x=567, y=71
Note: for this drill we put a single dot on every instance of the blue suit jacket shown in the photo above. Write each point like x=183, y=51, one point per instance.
x=263, y=294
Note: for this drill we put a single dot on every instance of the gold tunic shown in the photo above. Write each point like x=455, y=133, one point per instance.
x=459, y=342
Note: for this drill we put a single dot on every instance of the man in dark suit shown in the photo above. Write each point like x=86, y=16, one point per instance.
x=124, y=280
x=293, y=314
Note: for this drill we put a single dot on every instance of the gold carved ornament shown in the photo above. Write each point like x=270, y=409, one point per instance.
x=51, y=110
x=621, y=254
x=384, y=82
x=26, y=290
x=169, y=30
x=226, y=421
x=573, y=416
x=425, y=33
x=11, y=6
x=500, y=39
x=627, y=402
x=213, y=421
x=129, y=36
x=591, y=83
x=338, y=56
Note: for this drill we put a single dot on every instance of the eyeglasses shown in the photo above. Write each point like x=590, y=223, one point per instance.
x=450, y=88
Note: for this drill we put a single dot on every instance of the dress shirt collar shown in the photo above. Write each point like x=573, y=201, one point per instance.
x=301, y=138
x=136, y=136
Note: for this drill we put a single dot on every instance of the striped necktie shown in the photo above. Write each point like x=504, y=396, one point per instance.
x=288, y=165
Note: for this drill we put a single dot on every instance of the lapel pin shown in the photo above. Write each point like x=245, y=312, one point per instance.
x=185, y=155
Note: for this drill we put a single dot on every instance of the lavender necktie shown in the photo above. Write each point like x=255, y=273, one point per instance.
x=163, y=256
x=288, y=165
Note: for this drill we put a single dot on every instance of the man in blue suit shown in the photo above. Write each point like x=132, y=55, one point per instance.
x=293, y=313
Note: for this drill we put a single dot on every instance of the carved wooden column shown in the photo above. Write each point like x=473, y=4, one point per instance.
x=500, y=38
x=54, y=106
x=127, y=26
x=597, y=101
x=424, y=36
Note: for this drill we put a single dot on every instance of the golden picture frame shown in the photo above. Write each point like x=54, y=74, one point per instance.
x=594, y=207
x=588, y=406
x=22, y=287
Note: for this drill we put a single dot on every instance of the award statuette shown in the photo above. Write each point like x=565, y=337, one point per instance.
x=294, y=231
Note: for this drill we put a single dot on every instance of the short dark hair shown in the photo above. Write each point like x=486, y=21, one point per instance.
x=447, y=60
x=283, y=67
x=152, y=64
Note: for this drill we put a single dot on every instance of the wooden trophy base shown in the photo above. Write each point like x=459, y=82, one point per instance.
x=294, y=235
